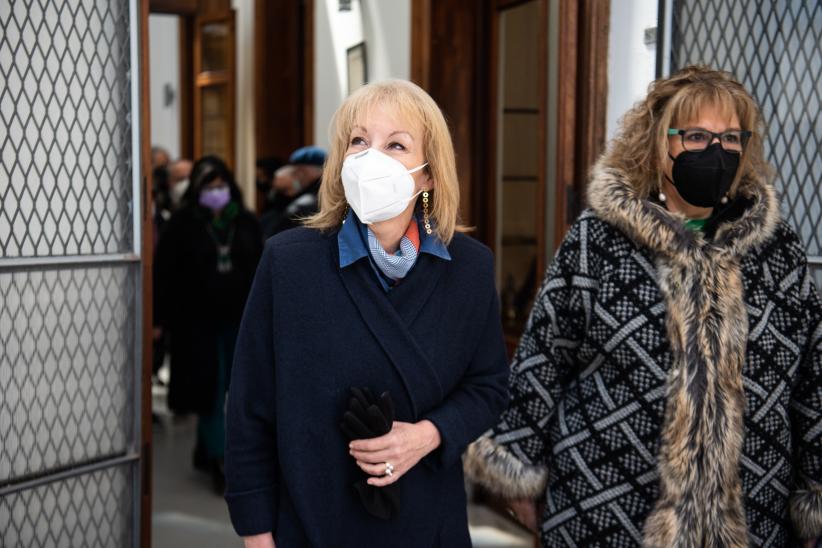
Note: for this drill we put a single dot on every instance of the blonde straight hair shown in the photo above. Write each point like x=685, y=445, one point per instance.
x=412, y=104
x=640, y=148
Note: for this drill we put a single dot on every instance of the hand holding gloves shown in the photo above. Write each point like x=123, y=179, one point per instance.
x=371, y=417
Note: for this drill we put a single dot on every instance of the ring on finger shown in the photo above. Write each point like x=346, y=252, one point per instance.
x=389, y=469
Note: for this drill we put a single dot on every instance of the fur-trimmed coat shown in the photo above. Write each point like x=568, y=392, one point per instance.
x=667, y=391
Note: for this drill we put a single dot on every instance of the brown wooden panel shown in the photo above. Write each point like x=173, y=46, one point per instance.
x=458, y=31
x=507, y=4
x=485, y=198
x=202, y=81
x=179, y=7
x=592, y=98
x=544, y=218
x=281, y=76
x=420, y=42
x=212, y=78
x=218, y=8
x=307, y=44
x=147, y=252
x=566, y=113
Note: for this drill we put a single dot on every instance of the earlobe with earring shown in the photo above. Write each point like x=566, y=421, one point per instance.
x=426, y=221
x=662, y=197
x=724, y=200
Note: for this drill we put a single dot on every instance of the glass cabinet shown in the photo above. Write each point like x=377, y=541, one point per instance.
x=214, y=87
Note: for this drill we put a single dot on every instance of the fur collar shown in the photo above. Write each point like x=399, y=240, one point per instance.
x=615, y=201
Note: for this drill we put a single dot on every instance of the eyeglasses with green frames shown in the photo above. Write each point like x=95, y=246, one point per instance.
x=697, y=139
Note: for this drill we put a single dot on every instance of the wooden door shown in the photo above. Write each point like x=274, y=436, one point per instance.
x=214, y=85
x=517, y=170
x=523, y=86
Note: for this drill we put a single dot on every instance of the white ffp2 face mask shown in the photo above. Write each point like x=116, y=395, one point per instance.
x=377, y=186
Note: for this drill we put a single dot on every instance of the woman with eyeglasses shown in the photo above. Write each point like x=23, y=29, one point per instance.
x=667, y=391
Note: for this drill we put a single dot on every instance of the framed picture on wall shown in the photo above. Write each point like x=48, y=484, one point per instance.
x=357, y=66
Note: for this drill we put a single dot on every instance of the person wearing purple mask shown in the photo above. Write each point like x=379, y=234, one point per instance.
x=206, y=259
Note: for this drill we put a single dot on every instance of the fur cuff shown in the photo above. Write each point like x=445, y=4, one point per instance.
x=806, y=511
x=497, y=469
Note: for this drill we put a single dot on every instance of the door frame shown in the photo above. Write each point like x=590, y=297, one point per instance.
x=201, y=80
x=147, y=255
x=577, y=32
x=284, y=78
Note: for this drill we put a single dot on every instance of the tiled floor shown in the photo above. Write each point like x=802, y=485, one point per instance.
x=188, y=513
x=186, y=510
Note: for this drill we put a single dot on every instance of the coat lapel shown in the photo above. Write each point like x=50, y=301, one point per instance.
x=411, y=294
x=389, y=320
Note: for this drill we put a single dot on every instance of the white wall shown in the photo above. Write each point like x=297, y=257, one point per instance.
x=387, y=32
x=631, y=63
x=164, y=67
x=164, y=57
x=384, y=25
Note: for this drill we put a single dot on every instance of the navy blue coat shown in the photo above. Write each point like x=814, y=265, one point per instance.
x=312, y=330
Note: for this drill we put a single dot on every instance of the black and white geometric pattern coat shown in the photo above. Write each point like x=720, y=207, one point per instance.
x=667, y=391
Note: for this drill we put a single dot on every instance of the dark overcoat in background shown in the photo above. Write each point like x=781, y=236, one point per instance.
x=310, y=331
x=192, y=301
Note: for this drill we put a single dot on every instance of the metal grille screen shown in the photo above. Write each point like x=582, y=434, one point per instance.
x=93, y=510
x=66, y=395
x=775, y=49
x=65, y=135
x=69, y=274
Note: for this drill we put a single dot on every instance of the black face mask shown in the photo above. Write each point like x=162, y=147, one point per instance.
x=703, y=178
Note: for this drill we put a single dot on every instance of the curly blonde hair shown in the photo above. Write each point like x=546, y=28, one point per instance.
x=414, y=105
x=640, y=147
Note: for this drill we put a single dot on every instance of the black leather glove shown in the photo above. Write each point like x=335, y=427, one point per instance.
x=371, y=417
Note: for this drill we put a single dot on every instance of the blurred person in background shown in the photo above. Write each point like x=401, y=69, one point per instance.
x=296, y=186
x=179, y=172
x=205, y=263
x=170, y=182
x=159, y=157
x=268, y=198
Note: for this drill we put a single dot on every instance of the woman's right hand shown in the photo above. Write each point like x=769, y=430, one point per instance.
x=265, y=540
x=525, y=512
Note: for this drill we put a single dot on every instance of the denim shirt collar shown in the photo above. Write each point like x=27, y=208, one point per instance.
x=353, y=237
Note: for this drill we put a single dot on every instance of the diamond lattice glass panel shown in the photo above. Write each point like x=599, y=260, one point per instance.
x=66, y=367
x=93, y=510
x=775, y=49
x=65, y=128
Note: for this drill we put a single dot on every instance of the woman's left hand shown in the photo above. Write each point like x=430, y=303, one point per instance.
x=404, y=446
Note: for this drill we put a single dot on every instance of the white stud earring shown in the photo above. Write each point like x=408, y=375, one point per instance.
x=724, y=200
x=662, y=197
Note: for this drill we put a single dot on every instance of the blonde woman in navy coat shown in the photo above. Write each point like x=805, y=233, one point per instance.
x=381, y=291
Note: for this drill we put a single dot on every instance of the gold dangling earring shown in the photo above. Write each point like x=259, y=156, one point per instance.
x=425, y=220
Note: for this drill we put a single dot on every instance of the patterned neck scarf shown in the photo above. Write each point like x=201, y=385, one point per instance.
x=396, y=266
